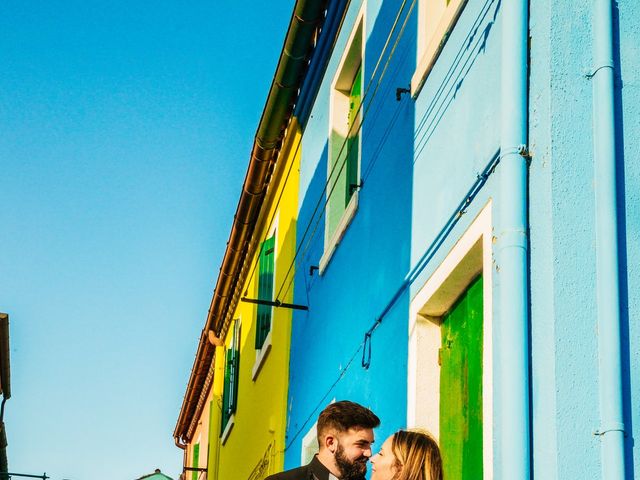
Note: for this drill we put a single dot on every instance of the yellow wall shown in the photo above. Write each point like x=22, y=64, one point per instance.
x=260, y=417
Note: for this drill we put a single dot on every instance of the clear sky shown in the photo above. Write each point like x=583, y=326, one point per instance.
x=125, y=132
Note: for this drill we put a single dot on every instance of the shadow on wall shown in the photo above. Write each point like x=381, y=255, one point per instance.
x=471, y=48
x=625, y=339
x=310, y=231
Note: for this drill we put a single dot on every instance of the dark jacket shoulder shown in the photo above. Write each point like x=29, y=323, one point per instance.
x=300, y=473
x=314, y=471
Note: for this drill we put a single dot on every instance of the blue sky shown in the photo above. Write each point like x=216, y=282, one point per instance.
x=126, y=131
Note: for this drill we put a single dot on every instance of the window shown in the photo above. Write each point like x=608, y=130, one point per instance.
x=344, y=143
x=231, y=375
x=450, y=382
x=309, y=444
x=265, y=290
x=436, y=19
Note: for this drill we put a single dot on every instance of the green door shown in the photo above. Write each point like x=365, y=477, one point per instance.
x=461, y=387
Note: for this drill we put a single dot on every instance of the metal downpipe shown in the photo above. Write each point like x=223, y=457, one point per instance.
x=612, y=427
x=513, y=246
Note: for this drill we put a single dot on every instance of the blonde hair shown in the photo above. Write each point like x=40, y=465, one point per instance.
x=417, y=455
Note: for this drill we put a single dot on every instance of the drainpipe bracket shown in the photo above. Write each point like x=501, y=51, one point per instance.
x=522, y=150
x=592, y=73
x=610, y=427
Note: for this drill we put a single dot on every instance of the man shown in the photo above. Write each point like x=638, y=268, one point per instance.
x=345, y=435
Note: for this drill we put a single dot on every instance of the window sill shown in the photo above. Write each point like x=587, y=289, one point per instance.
x=261, y=355
x=434, y=47
x=227, y=429
x=347, y=216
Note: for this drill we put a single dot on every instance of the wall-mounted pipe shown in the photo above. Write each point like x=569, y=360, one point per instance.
x=611, y=430
x=513, y=246
x=307, y=16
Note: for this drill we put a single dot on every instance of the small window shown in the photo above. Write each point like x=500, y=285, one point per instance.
x=436, y=19
x=265, y=290
x=344, y=143
x=231, y=375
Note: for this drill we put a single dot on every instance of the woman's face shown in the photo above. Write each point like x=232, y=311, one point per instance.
x=383, y=463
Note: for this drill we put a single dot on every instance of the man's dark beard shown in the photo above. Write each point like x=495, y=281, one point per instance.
x=350, y=469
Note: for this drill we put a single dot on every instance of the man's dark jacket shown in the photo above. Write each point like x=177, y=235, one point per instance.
x=314, y=471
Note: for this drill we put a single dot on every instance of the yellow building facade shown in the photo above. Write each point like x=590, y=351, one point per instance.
x=240, y=428
x=249, y=444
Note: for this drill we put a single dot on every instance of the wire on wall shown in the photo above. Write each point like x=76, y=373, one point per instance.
x=365, y=346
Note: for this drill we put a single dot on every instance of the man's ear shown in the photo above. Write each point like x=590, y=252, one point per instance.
x=330, y=442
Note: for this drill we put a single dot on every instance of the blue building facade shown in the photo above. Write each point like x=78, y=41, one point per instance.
x=462, y=227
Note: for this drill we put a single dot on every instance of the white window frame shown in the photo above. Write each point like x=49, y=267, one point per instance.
x=472, y=254
x=435, y=22
x=309, y=445
x=338, y=108
x=227, y=429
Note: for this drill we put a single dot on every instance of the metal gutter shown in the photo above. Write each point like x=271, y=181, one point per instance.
x=307, y=16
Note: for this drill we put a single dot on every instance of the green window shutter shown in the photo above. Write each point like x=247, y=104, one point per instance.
x=196, y=455
x=353, y=141
x=265, y=290
x=234, y=369
x=461, y=386
x=231, y=378
x=226, y=414
x=235, y=375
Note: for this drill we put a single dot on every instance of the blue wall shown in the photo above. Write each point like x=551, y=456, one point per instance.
x=371, y=260
x=563, y=296
x=419, y=158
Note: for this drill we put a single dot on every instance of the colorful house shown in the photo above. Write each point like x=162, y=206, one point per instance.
x=464, y=196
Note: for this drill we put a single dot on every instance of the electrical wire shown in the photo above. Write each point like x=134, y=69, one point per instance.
x=365, y=345
x=421, y=137
x=470, y=37
x=342, y=164
x=379, y=60
x=330, y=176
x=322, y=401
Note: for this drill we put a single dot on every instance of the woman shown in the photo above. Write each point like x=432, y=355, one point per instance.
x=407, y=455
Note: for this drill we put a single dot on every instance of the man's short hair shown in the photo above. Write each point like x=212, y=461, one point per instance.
x=343, y=415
